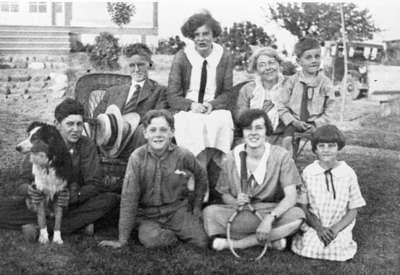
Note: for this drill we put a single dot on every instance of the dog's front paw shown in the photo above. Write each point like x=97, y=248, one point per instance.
x=57, y=237
x=43, y=236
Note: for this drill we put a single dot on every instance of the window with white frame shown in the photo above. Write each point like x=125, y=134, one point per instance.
x=58, y=7
x=6, y=6
x=40, y=7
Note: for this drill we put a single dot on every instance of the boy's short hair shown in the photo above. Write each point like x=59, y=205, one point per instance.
x=138, y=49
x=327, y=134
x=158, y=113
x=67, y=107
x=247, y=117
x=305, y=44
x=268, y=51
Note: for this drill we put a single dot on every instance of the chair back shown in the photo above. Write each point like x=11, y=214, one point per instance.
x=90, y=90
x=99, y=82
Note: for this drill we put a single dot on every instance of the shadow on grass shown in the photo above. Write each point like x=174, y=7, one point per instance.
x=376, y=232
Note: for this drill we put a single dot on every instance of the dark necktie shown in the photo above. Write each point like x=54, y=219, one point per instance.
x=131, y=104
x=157, y=184
x=252, y=183
x=328, y=175
x=203, y=81
x=243, y=171
x=304, y=113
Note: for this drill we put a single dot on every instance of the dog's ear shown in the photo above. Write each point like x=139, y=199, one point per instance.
x=34, y=125
x=53, y=132
x=57, y=146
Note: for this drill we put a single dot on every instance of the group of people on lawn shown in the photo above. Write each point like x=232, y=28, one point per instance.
x=170, y=148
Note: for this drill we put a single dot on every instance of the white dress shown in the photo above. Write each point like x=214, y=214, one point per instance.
x=329, y=201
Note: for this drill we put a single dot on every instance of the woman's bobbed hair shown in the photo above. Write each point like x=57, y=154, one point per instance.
x=200, y=19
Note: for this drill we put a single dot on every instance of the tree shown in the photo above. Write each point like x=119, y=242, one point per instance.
x=121, y=12
x=105, y=52
x=241, y=38
x=322, y=20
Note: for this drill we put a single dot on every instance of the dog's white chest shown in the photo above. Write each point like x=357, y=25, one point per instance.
x=47, y=181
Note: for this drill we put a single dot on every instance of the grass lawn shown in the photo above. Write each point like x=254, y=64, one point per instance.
x=376, y=232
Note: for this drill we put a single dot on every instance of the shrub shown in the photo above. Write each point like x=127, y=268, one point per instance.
x=239, y=39
x=121, y=12
x=105, y=52
x=170, y=46
x=288, y=68
x=75, y=44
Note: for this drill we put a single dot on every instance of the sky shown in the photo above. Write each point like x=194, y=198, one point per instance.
x=173, y=13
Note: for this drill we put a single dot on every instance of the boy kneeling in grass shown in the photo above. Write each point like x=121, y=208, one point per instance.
x=156, y=181
x=330, y=198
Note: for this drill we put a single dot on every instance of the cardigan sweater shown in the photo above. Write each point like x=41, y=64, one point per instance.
x=179, y=82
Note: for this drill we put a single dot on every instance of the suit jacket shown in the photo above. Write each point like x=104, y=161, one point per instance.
x=179, y=82
x=152, y=96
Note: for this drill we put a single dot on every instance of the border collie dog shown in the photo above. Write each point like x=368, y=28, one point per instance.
x=51, y=168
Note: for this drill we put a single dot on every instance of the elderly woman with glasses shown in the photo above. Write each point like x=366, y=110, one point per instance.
x=263, y=91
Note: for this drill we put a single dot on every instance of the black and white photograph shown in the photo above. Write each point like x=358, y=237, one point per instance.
x=199, y=137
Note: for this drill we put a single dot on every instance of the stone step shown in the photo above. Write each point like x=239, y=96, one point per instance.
x=30, y=44
x=35, y=28
x=15, y=38
x=41, y=51
x=27, y=33
x=34, y=40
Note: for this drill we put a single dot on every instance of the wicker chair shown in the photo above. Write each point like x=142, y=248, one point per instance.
x=299, y=142
x=89, y=90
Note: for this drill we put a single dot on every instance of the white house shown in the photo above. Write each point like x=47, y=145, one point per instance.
x=39, y=26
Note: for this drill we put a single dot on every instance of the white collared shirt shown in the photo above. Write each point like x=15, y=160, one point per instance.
x=196, y=60
x=132, y=89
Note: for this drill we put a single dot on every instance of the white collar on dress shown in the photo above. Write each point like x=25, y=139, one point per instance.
x=195, y=58
x=259, y=173
x=315, y=169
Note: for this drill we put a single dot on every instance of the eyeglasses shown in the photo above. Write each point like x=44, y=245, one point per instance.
x=137, y=65
x=267, y=64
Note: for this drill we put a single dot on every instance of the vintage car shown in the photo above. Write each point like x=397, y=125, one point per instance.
x=360, y=56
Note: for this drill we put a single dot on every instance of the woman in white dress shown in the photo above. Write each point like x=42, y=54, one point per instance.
x=199, y=90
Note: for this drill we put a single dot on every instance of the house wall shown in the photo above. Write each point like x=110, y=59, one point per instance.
x=24, y=17
x=83, y=14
